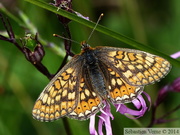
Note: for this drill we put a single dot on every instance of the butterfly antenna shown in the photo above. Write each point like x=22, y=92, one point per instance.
x=95, y=26
x=56, y=35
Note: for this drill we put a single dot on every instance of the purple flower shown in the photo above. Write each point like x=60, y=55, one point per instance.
x=106, y=114
x=172, y=87
x=80, y=15
x=175, y=55
x=65, y=5
x=175, y=85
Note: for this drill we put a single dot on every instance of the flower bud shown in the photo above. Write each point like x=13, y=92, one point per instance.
x=175, y=86
x=33, y=50
x=65, y=5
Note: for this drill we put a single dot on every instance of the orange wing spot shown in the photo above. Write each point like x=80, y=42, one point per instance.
x=147, y=74
x=49, y=100
x=155, y=69
x=63, y=105
x=148, y=63
x=79, y=109
x=131, y=56
x=112, y=94
x=92, y=103
x=44, y=98
x=82, y=80
x=126, y=58
x=124, y=91
x=112, y=54
x=140, y=61
x=63, y=112
x=140, y=76
x=47, y=116
x=163, y=70
x=131, y=67
x=52, y=109
x=121, y=65
x=63, y=83
x=151, y=79
x=117, y=93
x=63, y=74
x=47, y=109
x=57, y=98
x=69, y=109
x=157, y=65
x=57, y=115
x=43, y=108
x=120, y=55
x=66, y=77
x=160, y=74
x=82, y=96
x=54, y=93
x=80, y=89
x=134, y=79
x=144, y=81
x=140, y=57
x=42, y=115
x=159, y=60
x=85, y=106
x=97, y=100
x=156, y=77
x=117, y=75
x=51, y=90
x=69, y=70
x=57, y=84
x=52, y=101
x=109, y=69
x=71, y=96
x=38, y=104
x=70, y=103
x=131, y=89
x=64, y=93
x=150, y=59
x=166, y=63
x=51, y=116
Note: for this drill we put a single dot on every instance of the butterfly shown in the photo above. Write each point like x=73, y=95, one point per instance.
x=96, y=74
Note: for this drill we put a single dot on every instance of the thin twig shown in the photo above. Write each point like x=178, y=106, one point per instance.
x=170, y=112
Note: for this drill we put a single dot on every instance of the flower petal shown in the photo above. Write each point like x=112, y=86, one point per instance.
x=92, y=125
x=138, y=103
x=105, y=119
x=176, y=55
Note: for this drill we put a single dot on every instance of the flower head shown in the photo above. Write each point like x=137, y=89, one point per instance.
x=106, y=115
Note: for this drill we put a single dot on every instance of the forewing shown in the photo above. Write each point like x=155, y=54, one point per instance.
x=135, y=67
x=60, y=96
x=89, y=102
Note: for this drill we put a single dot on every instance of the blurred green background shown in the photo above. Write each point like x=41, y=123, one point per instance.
x=151, y=22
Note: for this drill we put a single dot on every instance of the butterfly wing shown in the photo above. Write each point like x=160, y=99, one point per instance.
x=60, y=96
x=119, y=90
x=135, y=67
x=89, y=102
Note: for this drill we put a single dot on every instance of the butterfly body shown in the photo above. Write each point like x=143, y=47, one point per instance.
x=93, y=72
x=96, y=74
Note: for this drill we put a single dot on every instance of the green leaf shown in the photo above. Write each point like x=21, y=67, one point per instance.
x=103, y=30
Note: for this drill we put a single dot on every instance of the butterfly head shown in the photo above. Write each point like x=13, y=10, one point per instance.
x=85, y=46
